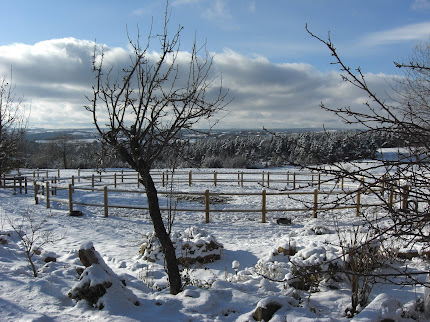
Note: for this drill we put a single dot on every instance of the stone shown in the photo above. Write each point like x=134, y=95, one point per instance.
x=49, y=259
x=297, y=283
x=80, y=270
x=283, y=221
x=76, y=213
x=88, y=257
x=266, y=313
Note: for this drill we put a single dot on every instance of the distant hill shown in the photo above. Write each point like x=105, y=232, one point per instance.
x=37, y=134
x=50, y=134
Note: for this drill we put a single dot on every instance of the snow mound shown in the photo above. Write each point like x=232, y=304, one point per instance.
x=383, y=307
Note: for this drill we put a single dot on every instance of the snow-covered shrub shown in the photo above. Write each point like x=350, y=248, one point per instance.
x=314, y=264
x=288, y=248
x=273, y=270
x=276, y=265
x=192, y=245
x=361, y=255
x=319, y=230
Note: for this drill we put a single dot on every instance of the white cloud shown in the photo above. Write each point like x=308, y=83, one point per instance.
x=412, y=32
x=252, y=7
x=218, y=11
x=182, y=2
x=288, y=94
x=420, y=5
x=55, y=76
x=140, y=12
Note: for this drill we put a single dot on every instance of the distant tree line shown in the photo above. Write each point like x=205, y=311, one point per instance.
x=252, y=151
x=278, y=150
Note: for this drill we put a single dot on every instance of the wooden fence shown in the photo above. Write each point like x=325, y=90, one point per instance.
x=46, y=186
x=294, y=179
x=47, y=191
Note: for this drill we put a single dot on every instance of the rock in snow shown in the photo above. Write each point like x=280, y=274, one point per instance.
x=98, y=284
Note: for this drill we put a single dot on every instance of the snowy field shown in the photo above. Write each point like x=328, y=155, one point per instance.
x=251, y=271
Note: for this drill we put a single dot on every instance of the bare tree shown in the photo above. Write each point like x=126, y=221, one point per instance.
x=13, y=122
x=141, y=110
x=405, y=115
x=408, y=118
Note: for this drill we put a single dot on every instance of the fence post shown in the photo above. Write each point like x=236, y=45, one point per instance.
x=47, y=173
x=241, y=179
x=70, y=198
x=138, y=181
x=405, y=196
x=342, y=183
x=73, y=180
x=48, y=203
x=294, y=180
x=105, y=201
x=92, y=181
x=319, y=180
x=391, y=197
x=36, y=191
x=55, y=186
x=288, y=177
x=215, y=178
x=114, y=179
x=268, y=179
x=25, y=185
x=263, y=206
x=162, y=179
x=122, y=175
x=207, y=206
x=14, y=184
x=315, y=203
x=79, y=175
x=58, y=172
x=190, y=178
x=357, y=214
x=20, y=184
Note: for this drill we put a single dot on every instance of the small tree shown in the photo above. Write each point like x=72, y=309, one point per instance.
x=13, y=122
x=147, y=105
x=34, y=236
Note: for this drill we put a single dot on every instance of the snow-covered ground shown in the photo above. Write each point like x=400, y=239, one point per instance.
x=251, y=271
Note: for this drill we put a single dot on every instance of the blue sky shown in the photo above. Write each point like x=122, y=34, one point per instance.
x=47, y=45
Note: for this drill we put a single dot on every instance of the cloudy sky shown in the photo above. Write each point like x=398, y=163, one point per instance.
x=276, y=73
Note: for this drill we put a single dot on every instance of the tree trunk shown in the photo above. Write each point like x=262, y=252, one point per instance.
x=162, y=235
